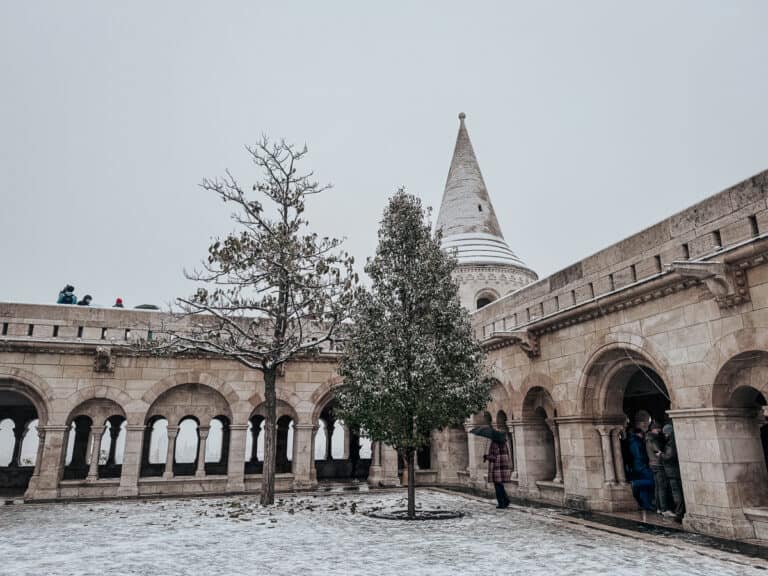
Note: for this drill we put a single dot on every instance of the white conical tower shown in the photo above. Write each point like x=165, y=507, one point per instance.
x=488, y=268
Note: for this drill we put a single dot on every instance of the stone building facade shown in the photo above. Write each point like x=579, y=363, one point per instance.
x=670, y=323
x=71, y=372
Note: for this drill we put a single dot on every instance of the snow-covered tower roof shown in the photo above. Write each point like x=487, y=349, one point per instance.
x=472, y=232
x=466, y=215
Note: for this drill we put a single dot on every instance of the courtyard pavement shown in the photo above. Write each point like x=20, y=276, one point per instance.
x=329, y=534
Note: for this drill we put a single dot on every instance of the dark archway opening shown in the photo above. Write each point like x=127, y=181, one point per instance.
x=18, y=422
x=340, y=453
x=645, y=398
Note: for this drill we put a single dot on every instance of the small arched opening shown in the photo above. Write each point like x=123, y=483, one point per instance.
x=155, y=447
x=741, y=389
x=217, y=446
x=539, y=429
x=186, y=450
x=485, y=297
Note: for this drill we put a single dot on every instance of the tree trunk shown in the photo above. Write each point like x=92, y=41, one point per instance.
x=270, y=438
x=411, y=485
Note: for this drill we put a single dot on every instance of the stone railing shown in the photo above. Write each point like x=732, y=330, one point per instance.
x=89, y=325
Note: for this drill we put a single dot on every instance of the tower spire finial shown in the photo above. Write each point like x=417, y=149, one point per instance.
x=462, y=116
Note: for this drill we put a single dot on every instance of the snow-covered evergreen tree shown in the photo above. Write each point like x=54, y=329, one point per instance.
x=411, y=364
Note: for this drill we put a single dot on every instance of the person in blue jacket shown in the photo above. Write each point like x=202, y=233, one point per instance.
x=641, y=477
x=67, y=295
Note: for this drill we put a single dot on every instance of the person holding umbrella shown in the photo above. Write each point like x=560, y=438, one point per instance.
x=499, y=462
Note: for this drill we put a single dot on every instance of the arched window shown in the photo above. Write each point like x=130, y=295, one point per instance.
x=186, y=442
x=30, y=444
x=158, y=442
x=320, y=441
x=213, y=445
x=7, y=441
x=485, y=297
x=338, y=440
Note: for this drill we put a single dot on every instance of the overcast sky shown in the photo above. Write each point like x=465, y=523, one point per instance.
x=591, y=121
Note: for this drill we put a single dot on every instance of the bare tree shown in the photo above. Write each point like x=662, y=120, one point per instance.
x=271, y=291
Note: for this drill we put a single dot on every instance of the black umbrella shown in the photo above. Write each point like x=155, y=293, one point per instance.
x=490, y=433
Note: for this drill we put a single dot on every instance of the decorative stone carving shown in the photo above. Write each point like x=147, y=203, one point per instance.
x=727, y=285
x=528, y=341
x=103, y=362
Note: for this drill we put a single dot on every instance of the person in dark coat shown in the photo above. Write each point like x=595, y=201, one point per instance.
x=654, y=445
x=671, y=465
x=118, y=303
x=86, y=301
x=641, y=476
x=499, y=470
x=67, y=295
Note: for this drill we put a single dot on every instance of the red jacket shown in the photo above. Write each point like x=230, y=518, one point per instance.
x=499, y=466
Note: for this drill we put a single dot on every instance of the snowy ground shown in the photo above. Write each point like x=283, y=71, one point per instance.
x=326, y=535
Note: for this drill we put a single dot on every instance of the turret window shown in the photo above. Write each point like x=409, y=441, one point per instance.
x=485, y=297
x=479, y=207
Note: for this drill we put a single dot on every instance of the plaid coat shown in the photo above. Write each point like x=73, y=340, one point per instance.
x=499, y=467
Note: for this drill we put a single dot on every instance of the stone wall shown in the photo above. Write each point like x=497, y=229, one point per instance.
x=43, y=360
x=678, y=304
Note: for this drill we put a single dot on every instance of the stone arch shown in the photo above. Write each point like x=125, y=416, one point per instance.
x=537, y=400
x=531, y=382
x=238, y=409
x=323, y=395
x=607, y=372
x=106, y=416
x=105, y=393
x=540, y=435
x=734, y=346
x=190, y=399
x=739, y=395
x=500, y=400
x=282, y=408
x=31, y=386
x=97, y=408
x=742, y=373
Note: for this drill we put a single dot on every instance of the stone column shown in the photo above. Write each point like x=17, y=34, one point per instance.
x=235, y=464
x=18, y=439
x=131, y=468
x=558, y=463
x=374, y=472
x=476, y=447
x=173, y=431
x=281, y=448
x=513, y=448
x=618, y=458
x=607, y=450
x=202, y=438
x=329, y=429
x=114, y=433
x=722, y=468
x=389, y=466
x=345, y=446
x=51, y=462
x=93, y=465
x=304, y=476
x=32, y=486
